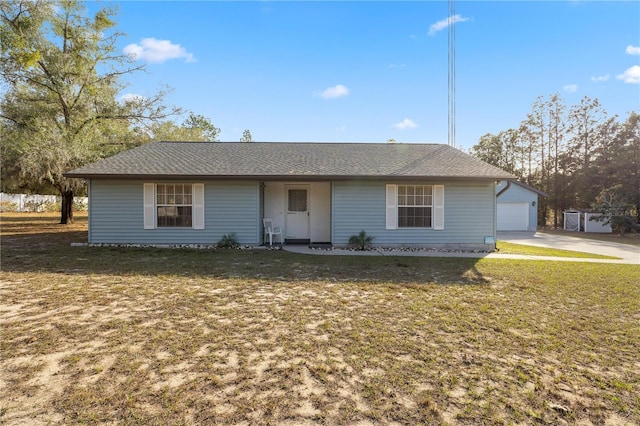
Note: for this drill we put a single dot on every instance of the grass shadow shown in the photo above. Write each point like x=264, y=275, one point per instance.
x=31, y=244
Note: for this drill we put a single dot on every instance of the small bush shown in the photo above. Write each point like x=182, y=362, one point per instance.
x=80, y=207
x=362, y=241
x=623, y=224
x=34, y=206
x=57, y=206
x=8, y=206
x=228, y=241
x=52, y=207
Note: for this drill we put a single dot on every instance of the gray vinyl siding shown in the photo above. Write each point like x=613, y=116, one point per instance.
x=260, y=212
x=469, y=214
x=116, y=214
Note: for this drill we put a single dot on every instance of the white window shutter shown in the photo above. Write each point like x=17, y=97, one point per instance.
x=149, y=201
x=392, y=206
x=438, y=206
x=198, y=206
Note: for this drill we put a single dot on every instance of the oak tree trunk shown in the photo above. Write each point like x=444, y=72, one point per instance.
x=66, y=211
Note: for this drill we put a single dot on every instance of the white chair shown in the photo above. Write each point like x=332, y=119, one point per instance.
x=271, y=230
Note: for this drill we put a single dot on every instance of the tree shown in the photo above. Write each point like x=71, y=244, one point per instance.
x=62, y=75
x=246, y=136
x=201, y=127
x=556, y=139
x=582, y=158
x=537, y=126
x=584, y=119
x=622, y=166
x=614, y=210
x=489, y=149
x=501, y=150
x=195, y=128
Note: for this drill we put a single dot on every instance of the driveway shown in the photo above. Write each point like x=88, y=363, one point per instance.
x=629, y=253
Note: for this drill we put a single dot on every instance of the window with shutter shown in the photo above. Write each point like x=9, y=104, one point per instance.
x=173, y=205
x=415, y=206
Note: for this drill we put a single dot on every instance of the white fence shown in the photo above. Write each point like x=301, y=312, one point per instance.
x=586, y=222
x=591, y=225
x=32, y=202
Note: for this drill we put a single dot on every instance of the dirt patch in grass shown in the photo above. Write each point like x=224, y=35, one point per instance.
x=103, y=335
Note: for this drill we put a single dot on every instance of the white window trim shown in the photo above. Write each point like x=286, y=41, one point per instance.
x=197, y=220
x=437, y=214
x=437, y=207
x=392, y=206
x=150, y=206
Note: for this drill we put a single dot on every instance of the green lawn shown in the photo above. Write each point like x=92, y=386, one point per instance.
x=504, y=247
x=163, y=336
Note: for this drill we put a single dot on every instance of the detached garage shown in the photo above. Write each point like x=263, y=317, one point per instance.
x=517, y=206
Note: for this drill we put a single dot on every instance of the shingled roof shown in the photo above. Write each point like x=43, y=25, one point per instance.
x=283, y=160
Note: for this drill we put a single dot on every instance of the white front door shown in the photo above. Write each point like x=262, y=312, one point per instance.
x=297, y=220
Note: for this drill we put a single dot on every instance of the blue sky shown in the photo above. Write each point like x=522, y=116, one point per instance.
x=369, y=71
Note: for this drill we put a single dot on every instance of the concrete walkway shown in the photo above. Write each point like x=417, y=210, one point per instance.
x=628, y=254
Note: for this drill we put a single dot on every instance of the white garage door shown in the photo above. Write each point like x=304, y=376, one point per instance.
x=513, y=216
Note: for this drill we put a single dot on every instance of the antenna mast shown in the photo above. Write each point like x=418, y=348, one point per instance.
x=451, y=131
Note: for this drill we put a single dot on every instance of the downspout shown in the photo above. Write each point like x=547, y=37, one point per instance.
x=89, y=215
x=261, y=187
x=495, y=218
x=503, y=190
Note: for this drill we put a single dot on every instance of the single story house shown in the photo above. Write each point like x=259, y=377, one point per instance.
x=517, y=206
x=427, y=195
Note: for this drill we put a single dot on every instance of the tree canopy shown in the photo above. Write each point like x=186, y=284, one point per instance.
x=61, y=76
x=581, y=157
x=195, y=128
x=246, y=136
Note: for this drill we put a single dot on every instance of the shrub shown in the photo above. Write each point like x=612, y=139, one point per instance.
x=57, y=206
x=34, y=206
x=616, y=210
x=52, y=207
x=228, y=241
x=623, y=224
x=79, y=206
x=8, y=206
x=362, y=241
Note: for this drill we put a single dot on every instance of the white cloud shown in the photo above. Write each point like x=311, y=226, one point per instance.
x=336, y=91
x=392, y=66
x=441, y=25
x=600, y=78
x=131, y=97
x=405, y=124
x=633, y=50
x=571, y=88
x=157, y=51
x=631, y=75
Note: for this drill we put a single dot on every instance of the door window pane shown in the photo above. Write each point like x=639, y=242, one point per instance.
x=297, y=200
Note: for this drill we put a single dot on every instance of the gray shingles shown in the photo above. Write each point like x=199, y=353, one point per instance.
x=271, y=160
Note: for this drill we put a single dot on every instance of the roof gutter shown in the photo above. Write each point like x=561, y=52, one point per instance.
x=277, y=178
